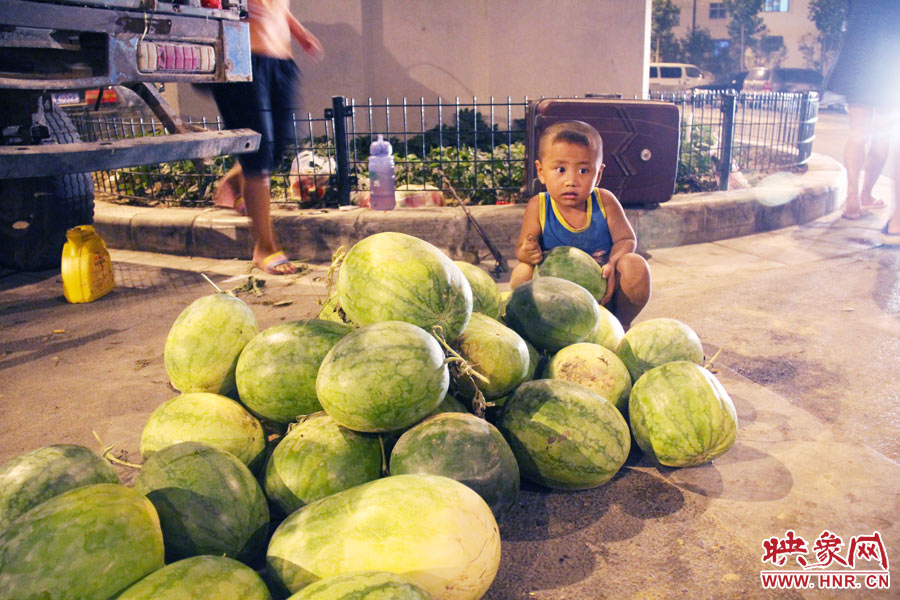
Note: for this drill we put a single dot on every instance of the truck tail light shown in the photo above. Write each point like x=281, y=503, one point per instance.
x=174, y=58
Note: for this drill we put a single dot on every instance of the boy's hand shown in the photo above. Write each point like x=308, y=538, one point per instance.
x=609, y=273
x=532, y=250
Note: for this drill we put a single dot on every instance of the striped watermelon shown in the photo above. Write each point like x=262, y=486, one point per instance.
x=383, y=377
x=433, y=530
x=366, y=585
x=208, y=502
x=564, y=435
x=200, y=577
x=681, y=415
x=496, y=352
x=208, y=418
x=655, y=342
x=609, y=332
x=552, y=313
x=318, y=458
x=485, y=294
x=276, y=372
x=575, y=265
x=465, y=448
x=397, y=277
x=38, y=475
x=596, y=368
x=204, y=343
x=89, y=543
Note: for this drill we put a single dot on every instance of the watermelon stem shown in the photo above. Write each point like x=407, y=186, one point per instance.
x=106, y=454
x=213, y=283
x=385, y=470
x=337, y=259
x=712, y=360
x=462, y=364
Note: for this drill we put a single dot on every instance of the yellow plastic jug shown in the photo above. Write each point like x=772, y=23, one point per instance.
x=86, y=266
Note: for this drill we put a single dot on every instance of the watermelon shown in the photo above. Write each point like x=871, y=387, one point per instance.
x=496, y=352
x=681, y=415
x=596, y=368
x=563, y=435
x=552, y=313
x=534, y=361
x=199, y=577
x=208, y=418
x=38, y=475
x=485, y=294
x=331, y=310
x=208, y=502
x=383, y=377
x=655, y=342
x=609, y=332
x=450, y=405
x=276, y=372
x=575, y=265
x=89, y=543
x=397, y=277
x=204, y=343
x=318, y=458
x=366, y=585
x=465, y=448
x=433, y=530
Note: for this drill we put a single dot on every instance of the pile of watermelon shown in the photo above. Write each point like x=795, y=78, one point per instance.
x=370, y=450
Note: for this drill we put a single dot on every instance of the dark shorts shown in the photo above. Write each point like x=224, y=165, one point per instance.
x=267, y=105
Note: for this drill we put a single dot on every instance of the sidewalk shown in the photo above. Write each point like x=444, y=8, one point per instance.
x=313, y=234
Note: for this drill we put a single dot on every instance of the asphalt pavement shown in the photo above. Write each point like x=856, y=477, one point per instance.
x=806, y=320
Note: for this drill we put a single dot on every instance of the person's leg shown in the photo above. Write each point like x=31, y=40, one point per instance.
x=855, y=156
x=633, y=291
x=891, y=232
x=521, y=273
x=257, y=199
x=876, y=156
x=228, y=189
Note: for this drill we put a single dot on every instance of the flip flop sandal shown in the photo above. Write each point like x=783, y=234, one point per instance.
x=851, y=217
x=889, y=239
x=273, y=260
x=875, y=205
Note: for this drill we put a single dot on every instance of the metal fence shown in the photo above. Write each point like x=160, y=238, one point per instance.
x=474, y=150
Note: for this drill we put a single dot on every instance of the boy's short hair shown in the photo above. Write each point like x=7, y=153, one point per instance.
x=574, y=132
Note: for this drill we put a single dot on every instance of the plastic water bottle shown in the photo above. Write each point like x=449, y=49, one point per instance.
x=381, y=175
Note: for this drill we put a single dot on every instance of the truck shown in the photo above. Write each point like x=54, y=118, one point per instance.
x=52, y=51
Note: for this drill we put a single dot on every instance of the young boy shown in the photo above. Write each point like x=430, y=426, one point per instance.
x=574, y=212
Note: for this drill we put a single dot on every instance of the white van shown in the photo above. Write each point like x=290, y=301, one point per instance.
x=673, y=77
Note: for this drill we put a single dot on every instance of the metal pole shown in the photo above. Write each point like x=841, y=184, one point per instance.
x=728, y=111
x=341, y=151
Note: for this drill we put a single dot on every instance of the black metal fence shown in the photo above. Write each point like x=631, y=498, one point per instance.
x=473, y=150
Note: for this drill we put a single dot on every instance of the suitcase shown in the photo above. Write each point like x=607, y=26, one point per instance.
x=640, y=144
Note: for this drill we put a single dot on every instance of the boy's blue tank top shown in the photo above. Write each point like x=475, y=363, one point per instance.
x=592, y=237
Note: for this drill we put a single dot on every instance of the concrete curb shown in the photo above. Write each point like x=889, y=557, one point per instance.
x=312, y=235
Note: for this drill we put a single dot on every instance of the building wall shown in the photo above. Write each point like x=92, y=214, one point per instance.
x=465, y=48
x=792, y=26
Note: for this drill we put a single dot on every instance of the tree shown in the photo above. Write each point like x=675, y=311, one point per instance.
x=698, y=48
x=744, y=28
x=829, y=17
x=665, y=17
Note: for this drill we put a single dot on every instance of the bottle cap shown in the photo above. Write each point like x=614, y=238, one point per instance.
x=380, y=147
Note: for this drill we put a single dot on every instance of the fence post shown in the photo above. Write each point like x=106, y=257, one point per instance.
x=809, y=115
x=338, y=113
x=728, y=109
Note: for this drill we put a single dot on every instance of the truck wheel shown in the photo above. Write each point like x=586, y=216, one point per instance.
x=33, y=233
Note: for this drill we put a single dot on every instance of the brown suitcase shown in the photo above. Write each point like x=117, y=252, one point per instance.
x=640, y=143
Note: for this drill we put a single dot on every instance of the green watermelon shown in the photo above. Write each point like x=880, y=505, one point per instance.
x=366, y=585
x=485, y=294
x=318, y=458
x=383, y=377
x=575, y=265
x=465, y=448
x=38, y=475
x=397, y=277
x=433, y=530
x=655, y=342
x=204, y=343
x=552, y=313
x=564, y=435
x=331, y=310
x=89, y=543
x=609, y=332
x=450, y=405
x=596, y=368
x=496, y=352
x=681, y=415
x=208, y=418
x=208, y=502
x=200, y=577
x=276, y=372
